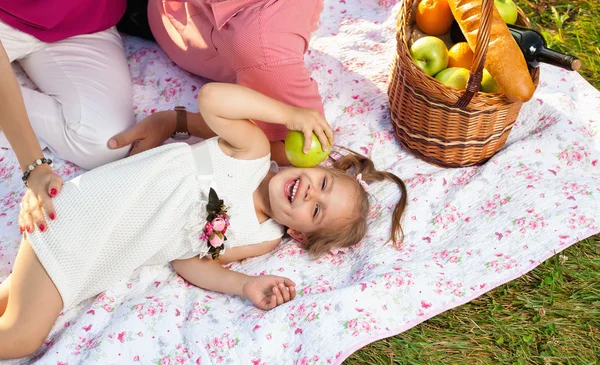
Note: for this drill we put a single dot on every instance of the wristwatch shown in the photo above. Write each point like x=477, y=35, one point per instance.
x=181, y=132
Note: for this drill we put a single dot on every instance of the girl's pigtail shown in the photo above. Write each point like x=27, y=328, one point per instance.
x=355, y=164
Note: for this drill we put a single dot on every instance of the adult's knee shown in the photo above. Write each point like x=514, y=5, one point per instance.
x=90, y=143
x=92, y=153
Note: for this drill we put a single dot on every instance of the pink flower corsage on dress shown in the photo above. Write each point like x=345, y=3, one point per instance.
x=217, y=222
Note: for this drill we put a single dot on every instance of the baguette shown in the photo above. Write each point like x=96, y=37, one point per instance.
x=504, y=59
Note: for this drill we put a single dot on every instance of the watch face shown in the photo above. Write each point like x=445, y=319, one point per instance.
x=180, y=136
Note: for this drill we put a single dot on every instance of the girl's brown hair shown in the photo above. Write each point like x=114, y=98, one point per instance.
x=348, y=167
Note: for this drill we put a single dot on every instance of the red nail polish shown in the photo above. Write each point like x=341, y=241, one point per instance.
x=42, y=227
x=21, y=229
x=53, y=192
x=52, y=216
x=28, y=228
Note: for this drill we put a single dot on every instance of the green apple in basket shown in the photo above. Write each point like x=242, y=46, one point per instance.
x=430, y=54
x=488, y=84
x=508, y=10
x=294, y=145
x=456, y=77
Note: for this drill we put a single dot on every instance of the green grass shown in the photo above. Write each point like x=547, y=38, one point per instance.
x=552, y=314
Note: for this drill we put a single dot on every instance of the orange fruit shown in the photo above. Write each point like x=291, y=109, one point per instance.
x=434, y=17
x=460, y=55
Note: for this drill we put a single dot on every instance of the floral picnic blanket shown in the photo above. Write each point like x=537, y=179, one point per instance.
x=467, y=230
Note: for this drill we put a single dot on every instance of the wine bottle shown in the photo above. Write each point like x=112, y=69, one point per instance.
x=533, y=46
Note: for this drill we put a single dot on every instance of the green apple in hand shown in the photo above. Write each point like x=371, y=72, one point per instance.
x=430, y=54
x=456, y=77
x=488, y=84
x=294, y=145
x=508, y=10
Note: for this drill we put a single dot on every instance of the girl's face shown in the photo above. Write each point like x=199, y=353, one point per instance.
x=306, y=200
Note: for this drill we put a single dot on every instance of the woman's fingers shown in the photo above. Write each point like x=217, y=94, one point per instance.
x=323, y=139
x=26, y=220
x=329, y=132
x=308, y=132
x=54, y=185
x=35, y=209
x=48, y=207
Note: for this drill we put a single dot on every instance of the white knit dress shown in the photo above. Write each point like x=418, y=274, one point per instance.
x=144, y=210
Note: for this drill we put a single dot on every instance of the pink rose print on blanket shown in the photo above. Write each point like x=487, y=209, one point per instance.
x=219, y=347
x=68, y=170
x=6, y=172
x=579, y=220
x=449, y=216
x=501, y=263
x=528, y=174
x=10, y=200
x=299, y=315
x=574, y=154
x=447, y=257
x=152, y=307
x=463, y=178
x=399, y=278
x=445, y=286
x=532, y=221
x=419, y=180
x=106, y=302
x=362, y=323
x=572, y=189
x=544, y=122
x=321, y=285
x=179, y=356
x=307, y=360
x=85, y=344
x=491, y=206
x=358, y=106
x=199, y=310
x=387, y=3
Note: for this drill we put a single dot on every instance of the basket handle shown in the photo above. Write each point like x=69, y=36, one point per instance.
x=481, y=46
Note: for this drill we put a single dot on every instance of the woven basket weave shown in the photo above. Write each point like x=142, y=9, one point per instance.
x=442, y=125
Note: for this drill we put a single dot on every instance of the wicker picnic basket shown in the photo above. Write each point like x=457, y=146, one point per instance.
x=442, y=125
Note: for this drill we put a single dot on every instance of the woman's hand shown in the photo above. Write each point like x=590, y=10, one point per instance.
x=267, y=291
x=310, y=121
x=42, y=185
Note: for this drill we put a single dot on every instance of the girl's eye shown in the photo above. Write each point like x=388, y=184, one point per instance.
x=316, y=210
x=324, y=185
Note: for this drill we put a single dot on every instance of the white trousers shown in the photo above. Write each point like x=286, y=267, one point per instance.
x=84, y=95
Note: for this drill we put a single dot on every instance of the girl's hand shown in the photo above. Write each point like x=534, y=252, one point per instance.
x=267, y=291
x=310, y=121
x=43, y=184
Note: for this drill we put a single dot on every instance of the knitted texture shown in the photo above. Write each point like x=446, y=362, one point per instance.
x=145, y=209
x=237, y=180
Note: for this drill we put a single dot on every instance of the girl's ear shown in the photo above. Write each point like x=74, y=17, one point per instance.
x=298, y=236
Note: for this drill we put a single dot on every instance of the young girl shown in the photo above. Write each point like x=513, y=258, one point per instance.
x=183, y=204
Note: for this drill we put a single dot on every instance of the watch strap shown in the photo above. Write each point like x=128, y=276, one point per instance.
x=181, y=129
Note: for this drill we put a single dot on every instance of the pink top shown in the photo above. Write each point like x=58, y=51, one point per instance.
x=55, y=20
x=256, y=43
